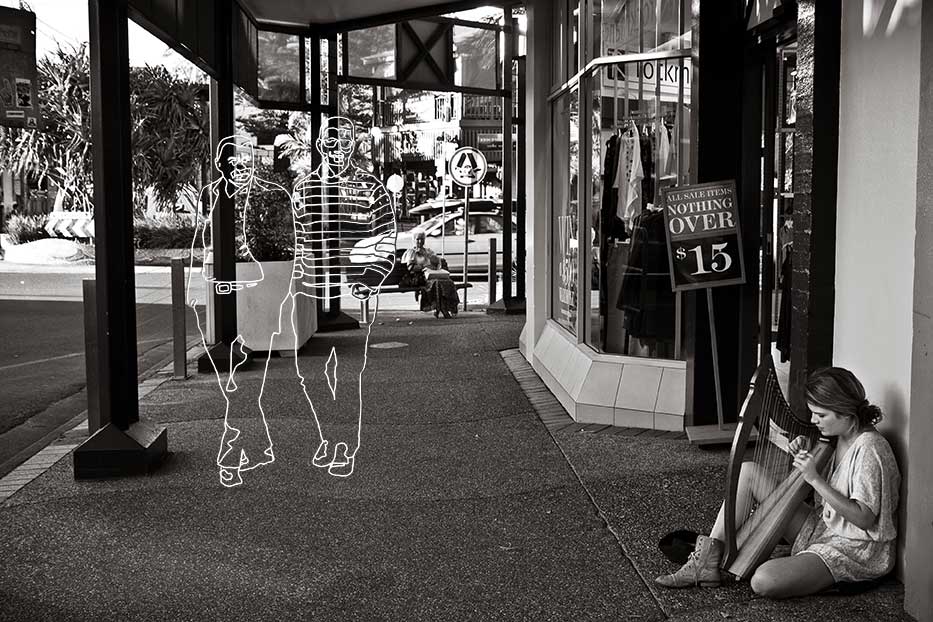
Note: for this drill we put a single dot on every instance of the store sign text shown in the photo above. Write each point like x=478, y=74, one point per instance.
x=663, y=71
x=700, y=211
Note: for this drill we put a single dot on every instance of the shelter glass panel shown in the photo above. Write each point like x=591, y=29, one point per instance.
x=371, y=52
x=476, y=55
x=279, y=66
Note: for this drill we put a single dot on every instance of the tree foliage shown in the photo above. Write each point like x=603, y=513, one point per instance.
x=61, y=151
x=170, y=133
x=168, y=123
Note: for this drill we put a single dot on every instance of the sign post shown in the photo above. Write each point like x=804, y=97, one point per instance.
x=704, y=249
x=467, y=168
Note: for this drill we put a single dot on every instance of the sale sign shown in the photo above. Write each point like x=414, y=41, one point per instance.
x=704, y=243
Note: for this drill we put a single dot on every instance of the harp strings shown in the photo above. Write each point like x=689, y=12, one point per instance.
x=771, y=463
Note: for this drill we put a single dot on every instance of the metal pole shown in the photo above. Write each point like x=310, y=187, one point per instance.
x=179, y=334
x=492, y=271
x=715, y=344
x=89, y=289
x=466, y=239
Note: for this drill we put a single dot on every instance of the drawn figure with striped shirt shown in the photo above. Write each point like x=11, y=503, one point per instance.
x=343, y=217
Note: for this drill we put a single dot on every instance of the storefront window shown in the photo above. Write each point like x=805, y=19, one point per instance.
x=635, y=142
x=564, y=238
x=640, y=145
x=627, y=27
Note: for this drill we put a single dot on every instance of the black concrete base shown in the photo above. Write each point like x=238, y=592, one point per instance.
x=507, y=306
x=329, y=323
x=112, y=452
x=220, y=352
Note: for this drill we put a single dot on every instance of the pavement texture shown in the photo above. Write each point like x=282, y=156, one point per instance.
x=464, y=505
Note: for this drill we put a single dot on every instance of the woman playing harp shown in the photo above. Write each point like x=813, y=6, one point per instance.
x=850, y=532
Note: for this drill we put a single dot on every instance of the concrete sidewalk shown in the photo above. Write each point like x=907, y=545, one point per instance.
x=464, y=505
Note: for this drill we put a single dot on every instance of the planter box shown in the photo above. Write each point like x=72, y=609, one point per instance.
x=257, y=308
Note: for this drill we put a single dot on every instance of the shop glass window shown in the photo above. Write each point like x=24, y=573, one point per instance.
x=640, y=136
x=564, y=238
x=628, y=27
x=279, y=66
x=475, y=56
x=371, y=52
x=561, y=44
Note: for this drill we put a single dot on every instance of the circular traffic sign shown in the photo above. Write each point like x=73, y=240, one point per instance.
x=467, y=166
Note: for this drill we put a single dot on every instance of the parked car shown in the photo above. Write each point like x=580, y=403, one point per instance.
x=444, y=236
x=438, y=206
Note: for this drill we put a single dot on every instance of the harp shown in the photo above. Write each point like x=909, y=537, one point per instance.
x=766, y=412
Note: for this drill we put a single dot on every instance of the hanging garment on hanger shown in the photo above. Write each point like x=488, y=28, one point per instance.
x=664, y=148
x=646, y=297
x=629, y=175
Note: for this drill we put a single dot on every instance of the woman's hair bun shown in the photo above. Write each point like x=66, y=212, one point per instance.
x=868, y=414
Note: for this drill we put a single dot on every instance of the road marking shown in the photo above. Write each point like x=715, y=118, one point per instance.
x=67, y=356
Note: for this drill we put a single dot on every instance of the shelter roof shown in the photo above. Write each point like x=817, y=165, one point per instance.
x=303, y=12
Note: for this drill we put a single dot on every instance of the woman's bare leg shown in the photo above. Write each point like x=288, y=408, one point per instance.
x=786, y=577
x=754, y=485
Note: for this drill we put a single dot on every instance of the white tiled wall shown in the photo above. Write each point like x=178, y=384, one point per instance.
x=621, y=391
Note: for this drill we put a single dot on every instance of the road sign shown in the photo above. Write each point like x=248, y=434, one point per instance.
x=70, y=225
x=704, y=243
x=467, y=166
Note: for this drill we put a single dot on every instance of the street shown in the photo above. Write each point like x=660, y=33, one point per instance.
x=42, y=372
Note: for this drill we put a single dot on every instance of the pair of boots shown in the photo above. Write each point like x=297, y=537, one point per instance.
x=701, y=569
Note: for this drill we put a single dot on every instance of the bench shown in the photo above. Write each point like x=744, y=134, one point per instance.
x=401, y=289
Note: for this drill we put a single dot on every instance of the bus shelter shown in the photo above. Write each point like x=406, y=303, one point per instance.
x=232, y=40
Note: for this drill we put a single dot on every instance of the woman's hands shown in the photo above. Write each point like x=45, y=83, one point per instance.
x=801, y=443
x=805, y=462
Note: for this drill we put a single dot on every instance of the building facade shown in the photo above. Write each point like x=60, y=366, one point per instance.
x=820, y=113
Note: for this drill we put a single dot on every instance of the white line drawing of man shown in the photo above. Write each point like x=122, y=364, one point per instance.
x=343, y=215
x=245, y=443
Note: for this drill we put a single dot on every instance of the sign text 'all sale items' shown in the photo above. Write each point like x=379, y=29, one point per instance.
x=704, y=242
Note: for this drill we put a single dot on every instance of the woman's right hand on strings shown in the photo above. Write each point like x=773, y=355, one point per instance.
x=800, y=443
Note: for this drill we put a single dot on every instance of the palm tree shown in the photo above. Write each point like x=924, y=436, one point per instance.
x=169, y=132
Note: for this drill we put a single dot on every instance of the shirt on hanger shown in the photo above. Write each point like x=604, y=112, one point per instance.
x=628, y=178
x=664, y=148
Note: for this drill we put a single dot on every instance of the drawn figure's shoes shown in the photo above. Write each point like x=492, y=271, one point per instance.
x=701, y=569
x=230, y=477
x=322, y=458
x=342, y=466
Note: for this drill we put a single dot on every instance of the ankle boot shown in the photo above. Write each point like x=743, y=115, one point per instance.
x=701, y=569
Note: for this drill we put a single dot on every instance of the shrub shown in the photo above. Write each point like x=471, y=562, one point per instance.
x=163, y=232
x=23, y=229
x=269, y=231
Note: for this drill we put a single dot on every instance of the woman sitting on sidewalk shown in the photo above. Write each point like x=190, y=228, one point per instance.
x=851, y=533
